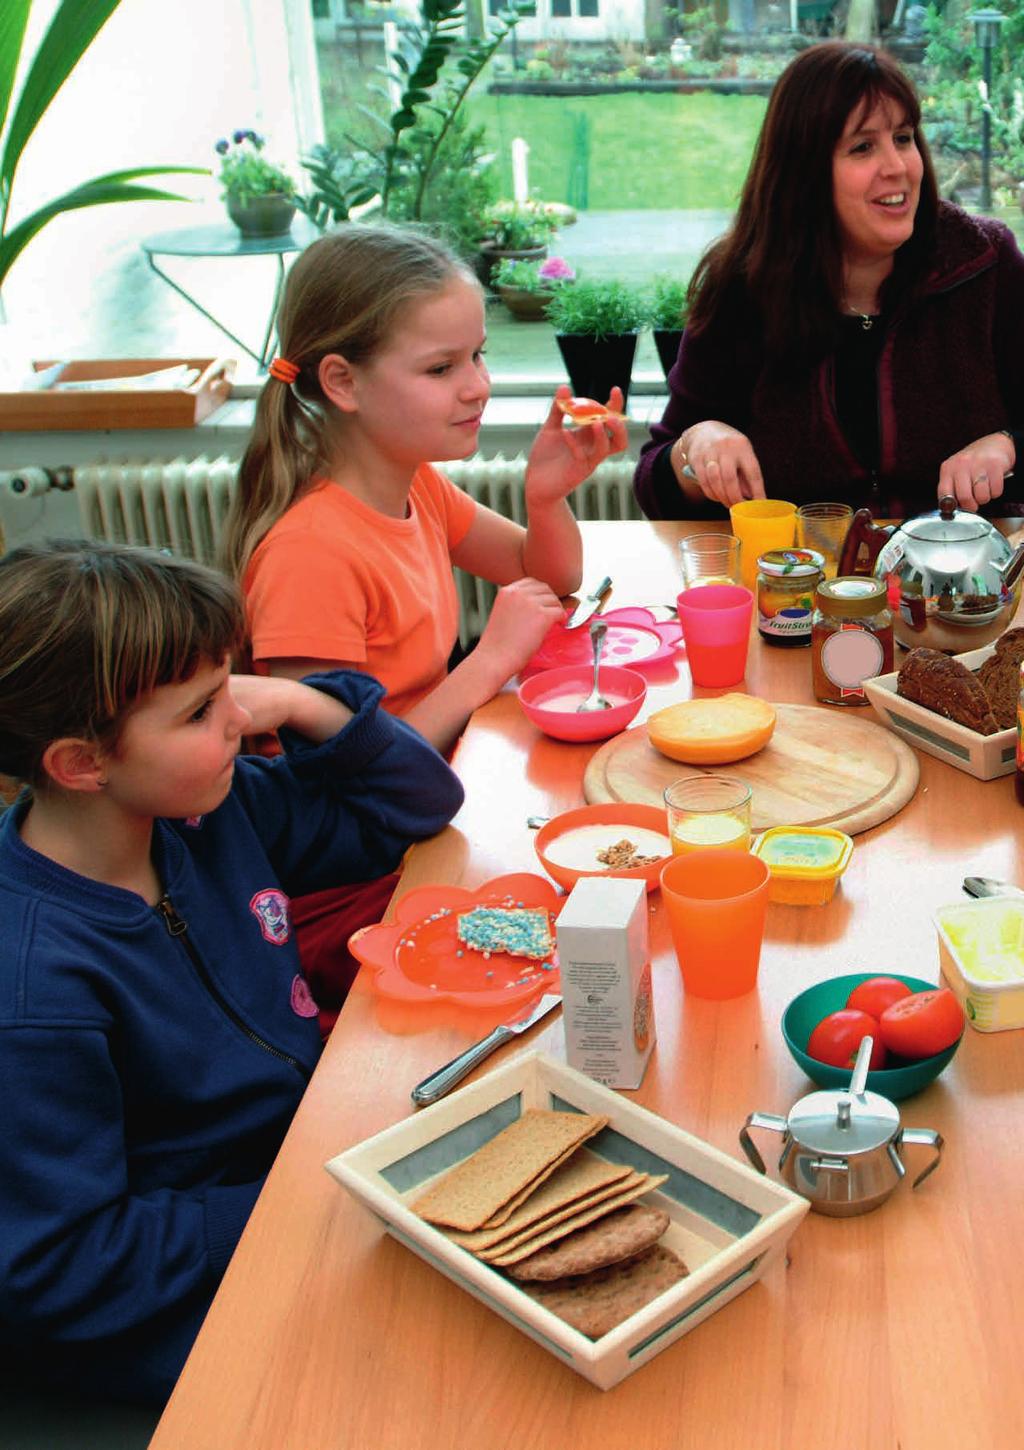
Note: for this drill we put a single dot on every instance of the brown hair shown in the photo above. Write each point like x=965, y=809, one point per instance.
x=87, y=629
x=343, y=295
x=783, y=253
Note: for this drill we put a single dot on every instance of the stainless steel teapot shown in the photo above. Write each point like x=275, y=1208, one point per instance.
x=954, y=581
x=842, y=1150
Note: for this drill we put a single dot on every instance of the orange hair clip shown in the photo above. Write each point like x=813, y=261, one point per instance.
x=283, y=370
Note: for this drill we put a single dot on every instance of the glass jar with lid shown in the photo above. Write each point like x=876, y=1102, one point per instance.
x=851, y=638
x=786, y=584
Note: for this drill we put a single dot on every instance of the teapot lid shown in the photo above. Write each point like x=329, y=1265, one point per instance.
x=840, y=1122
x=948, y=524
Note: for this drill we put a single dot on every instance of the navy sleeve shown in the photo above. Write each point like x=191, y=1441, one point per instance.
x=82, y=1257
x=348, y=809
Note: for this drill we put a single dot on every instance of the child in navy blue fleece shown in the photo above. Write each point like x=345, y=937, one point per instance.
x=156, y=1033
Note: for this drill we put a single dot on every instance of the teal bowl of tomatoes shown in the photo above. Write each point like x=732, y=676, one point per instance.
x=900, y=1076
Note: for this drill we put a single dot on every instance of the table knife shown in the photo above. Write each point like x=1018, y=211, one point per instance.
x=444, y=1079
x=588, y=605
x=989, y=886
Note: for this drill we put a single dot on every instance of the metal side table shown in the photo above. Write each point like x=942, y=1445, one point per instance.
x=225, y=240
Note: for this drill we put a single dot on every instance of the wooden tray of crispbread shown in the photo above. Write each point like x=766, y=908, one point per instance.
x=599, y=1229
x=50, y=409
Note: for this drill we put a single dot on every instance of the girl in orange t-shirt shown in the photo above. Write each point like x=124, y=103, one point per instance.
x=343, y=536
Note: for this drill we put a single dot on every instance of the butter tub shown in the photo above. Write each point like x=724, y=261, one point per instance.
x=981, y=956
x=806, y=862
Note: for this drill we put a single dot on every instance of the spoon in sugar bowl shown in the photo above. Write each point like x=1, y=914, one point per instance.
x=595, y=700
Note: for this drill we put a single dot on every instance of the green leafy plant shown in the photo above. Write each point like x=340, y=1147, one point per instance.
x=426, y=164
x=666, y=304
x=72, y=30
x=515, y=228
x=598, y=308
x=246, y=173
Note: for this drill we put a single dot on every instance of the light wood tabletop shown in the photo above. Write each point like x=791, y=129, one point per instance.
x=900, y=1328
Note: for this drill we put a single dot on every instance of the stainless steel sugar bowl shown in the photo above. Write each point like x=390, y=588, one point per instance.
x=843, y=1150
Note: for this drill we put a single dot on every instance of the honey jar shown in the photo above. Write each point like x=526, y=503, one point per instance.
x=786, y=584
x=851, y=638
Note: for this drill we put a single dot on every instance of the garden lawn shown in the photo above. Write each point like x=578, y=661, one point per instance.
x=628, y=151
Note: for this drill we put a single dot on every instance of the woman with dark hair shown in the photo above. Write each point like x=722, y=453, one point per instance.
x=852, y=337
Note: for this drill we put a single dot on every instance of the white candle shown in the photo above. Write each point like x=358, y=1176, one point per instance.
x=520, y=177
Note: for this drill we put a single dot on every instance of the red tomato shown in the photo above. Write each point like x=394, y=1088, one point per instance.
x=836, y=1038
x=922, y=1024
x=877, y=993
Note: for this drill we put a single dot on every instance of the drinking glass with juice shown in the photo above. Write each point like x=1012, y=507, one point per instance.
x=708, y=811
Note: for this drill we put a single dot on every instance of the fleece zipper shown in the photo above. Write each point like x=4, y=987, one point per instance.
x=177, y=927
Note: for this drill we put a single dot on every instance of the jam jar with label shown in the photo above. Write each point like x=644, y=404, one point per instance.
x=786, y=584
x=851, y=638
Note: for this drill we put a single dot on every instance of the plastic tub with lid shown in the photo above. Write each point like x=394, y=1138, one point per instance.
x=805, y=862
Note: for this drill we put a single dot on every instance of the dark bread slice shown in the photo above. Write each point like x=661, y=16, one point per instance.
x=944, y=685
x=999, y=676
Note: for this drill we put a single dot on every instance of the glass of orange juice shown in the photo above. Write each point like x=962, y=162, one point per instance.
x=708, y=810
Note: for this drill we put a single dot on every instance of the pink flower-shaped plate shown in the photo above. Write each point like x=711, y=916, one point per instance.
x=635, y=638
x=418, y=956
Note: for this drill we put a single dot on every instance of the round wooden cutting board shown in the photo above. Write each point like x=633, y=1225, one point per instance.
x=820, y=768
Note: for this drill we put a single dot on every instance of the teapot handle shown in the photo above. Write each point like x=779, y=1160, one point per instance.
x=928, y=1138
x=863, y=530
x=760, y=1120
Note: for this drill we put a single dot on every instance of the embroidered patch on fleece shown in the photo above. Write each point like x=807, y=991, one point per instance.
x=270, y=908
x=302, y=998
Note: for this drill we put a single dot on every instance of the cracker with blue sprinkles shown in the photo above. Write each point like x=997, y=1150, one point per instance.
x=515, y=930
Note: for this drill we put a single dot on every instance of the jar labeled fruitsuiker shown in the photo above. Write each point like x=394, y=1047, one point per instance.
x=786, y=583
x=851, y=638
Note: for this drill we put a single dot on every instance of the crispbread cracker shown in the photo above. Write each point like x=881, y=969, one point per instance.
x=611, y=1240
x=505, y=1212
x=523, y=1153
x=597, y=1302
x=512, y=1240
x=569, y=1225
x=576, y=1182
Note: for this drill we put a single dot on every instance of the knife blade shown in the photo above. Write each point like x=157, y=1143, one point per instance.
x=588, y=605
x=444, y=1079
x=988, y=886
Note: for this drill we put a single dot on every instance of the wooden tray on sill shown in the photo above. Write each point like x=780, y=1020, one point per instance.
x=148, y=408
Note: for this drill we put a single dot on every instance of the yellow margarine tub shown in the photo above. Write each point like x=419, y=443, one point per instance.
x=805, y=862
x=981, y=955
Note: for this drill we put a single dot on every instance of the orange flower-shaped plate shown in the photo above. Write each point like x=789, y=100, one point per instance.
x=418, y=957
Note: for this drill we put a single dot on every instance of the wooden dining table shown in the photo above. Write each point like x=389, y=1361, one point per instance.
x=901, y=1329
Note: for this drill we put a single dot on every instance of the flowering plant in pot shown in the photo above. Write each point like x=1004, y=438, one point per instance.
x=519, y=231
x=666, y=315
x=596, y=325
x=259, y=195
x=526, y=288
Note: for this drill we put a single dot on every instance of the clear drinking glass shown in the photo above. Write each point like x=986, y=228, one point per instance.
x=823, y=527
x=709, y=559
x=708, y=810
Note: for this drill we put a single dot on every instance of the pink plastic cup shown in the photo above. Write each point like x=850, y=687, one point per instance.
x=716, y=628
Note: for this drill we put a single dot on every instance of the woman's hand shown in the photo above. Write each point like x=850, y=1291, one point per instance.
x=563, y=456
x=722, y=461
x=521, y=616
x=975, y=475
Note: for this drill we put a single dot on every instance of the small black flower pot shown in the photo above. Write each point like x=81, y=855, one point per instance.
x=667, y=340
x=597, y=364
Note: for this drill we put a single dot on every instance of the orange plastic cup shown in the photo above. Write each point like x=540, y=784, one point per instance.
x=761, y=524
x=716, y=902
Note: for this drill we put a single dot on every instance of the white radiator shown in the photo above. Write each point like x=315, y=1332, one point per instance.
x=180, y=504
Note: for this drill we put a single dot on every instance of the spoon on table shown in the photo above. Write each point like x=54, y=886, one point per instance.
x=595, y=700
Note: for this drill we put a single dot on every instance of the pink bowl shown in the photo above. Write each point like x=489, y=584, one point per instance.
x=574, y=681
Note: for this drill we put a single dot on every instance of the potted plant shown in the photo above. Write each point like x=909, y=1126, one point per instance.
x=596, y=325
x=526, y=288
x=666, y=315
x=260, y=196
x=517, y=231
